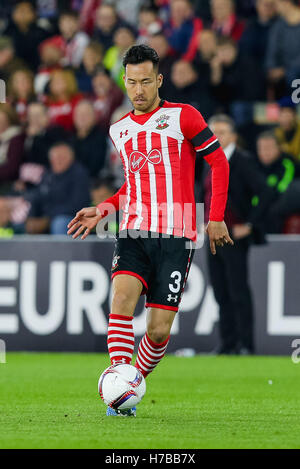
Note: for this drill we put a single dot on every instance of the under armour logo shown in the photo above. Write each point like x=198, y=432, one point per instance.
x=172, y=298
x=124, y=133
x=121, y=361
x=137, y=159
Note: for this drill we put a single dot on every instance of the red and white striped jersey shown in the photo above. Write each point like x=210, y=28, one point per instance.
x=158, y=151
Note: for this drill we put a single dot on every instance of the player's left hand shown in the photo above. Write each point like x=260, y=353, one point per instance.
x=218, y=235
x=84, y=222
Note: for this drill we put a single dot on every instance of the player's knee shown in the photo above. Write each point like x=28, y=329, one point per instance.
x=122, y=303
x=159, y=333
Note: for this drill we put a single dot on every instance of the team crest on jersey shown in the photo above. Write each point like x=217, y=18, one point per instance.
x=162, y=122
x=137, y=159
x=115, y=262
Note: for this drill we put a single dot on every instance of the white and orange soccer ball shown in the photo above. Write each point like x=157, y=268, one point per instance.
x=122, y=386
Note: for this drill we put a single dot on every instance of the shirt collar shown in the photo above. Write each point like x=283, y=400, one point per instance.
x=229, y=150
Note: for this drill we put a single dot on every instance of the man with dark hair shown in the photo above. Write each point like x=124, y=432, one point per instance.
x=75, y=41
x=158, y=142
x=25, y=33
x=229, y=268
x=59, y=194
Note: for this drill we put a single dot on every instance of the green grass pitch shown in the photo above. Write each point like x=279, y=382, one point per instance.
x=51, y=401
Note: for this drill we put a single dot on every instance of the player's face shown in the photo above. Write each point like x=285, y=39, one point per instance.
x=142, y=84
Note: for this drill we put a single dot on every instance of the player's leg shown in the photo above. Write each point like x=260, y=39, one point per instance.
x=120, y=338
x=173, y=258
x=153, y=345
x=130, y=271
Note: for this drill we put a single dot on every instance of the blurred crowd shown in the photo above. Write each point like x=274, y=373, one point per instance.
x=62, y=65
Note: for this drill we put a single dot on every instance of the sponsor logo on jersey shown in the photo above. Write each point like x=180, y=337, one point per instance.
x=137, y=159
x=115, y=262
x=162, y=122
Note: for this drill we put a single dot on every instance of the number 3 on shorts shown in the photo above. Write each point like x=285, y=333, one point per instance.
x=175, y=286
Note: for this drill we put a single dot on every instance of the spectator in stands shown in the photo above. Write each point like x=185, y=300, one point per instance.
x=63, y=98
x=63, y=191
x=288, y=131
x=149, y=24
x=75, y=41
x=88, y=15
x=40, y=137
x=206, y=51
x=51, y=54
x=25, y=33
x=106, y=97
x=188, y=88
x=166, y=60
x=283, y=59
x=236, y=81
x=20, y=92
x=206, y=47
x=229, y=267
x=89, y=141
x=107, y=22
x=282, y=174
x=224, y=19
x=92, y=58
x=182, y=27
x=255, y=36
x=9, y=63
x=11, y=147
x=124, y=38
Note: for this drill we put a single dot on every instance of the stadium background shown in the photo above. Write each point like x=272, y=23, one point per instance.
x=221, y=57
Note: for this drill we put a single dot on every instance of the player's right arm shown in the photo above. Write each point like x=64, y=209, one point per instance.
x=87, y=219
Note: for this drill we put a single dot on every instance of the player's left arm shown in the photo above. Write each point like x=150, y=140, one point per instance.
x=207, y=145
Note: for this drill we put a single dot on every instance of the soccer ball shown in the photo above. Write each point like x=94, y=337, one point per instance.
x=122, y=386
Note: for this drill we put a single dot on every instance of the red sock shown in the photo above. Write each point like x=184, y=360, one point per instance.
x=120, y=339
x=150, y=354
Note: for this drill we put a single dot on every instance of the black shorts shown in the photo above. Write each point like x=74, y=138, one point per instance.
x=161, y=264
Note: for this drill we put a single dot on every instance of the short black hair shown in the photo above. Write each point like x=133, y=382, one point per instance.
x=268, y=134
x=101, y=70
x=140, y=54
x=63, y=143
x=70, y=13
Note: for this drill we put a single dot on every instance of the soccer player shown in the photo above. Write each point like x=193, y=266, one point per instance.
x=158, y=143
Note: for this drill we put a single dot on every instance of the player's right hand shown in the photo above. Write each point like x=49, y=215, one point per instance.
x=85, y=220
